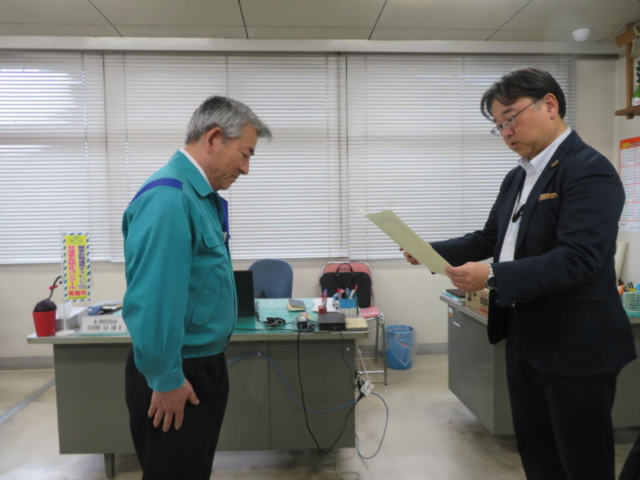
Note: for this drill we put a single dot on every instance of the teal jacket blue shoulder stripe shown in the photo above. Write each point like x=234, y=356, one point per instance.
x=181, y=299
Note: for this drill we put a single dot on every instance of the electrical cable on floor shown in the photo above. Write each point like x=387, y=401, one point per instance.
x=302, y=404
x=336, y=471
x=306, y=417
x=357, y=449
x=304, y=408
x=337, y=462
x=386, y=423
x=364, y=369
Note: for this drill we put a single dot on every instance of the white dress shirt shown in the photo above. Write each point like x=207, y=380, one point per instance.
x=196, y=164
x=533, y=170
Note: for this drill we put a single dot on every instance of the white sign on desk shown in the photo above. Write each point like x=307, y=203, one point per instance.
x=103, y=325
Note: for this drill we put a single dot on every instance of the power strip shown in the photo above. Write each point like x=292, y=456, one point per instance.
x=366, y=388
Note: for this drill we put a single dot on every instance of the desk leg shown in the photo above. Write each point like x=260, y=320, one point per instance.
x=110, y=465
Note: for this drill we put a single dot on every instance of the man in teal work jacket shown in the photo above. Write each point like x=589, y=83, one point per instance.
x=180, y=304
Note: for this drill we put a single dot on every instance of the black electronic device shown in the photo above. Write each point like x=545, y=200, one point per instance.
x=456, y=292
x=274, y=321
x=244, y=293
x=331, y=322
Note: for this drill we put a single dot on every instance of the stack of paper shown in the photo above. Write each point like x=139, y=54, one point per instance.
x=356, y=323
x=296, y=305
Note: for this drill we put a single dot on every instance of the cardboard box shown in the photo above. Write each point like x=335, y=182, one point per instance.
x=479, y=302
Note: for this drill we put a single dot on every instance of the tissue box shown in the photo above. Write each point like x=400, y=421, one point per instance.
x=74, y=313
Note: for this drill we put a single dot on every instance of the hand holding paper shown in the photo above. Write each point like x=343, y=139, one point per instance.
x=409, y=258
x=409, y=240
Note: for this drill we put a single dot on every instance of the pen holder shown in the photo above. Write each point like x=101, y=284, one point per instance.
x=348, y=306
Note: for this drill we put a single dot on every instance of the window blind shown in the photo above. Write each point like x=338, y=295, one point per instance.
x=419, y=145
x=289, y=206
x=283, y=207
x=82, y=131
x=52, y=154
x=149, y=101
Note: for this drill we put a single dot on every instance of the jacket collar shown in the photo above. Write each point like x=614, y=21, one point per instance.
x=510, y=200
x=181, y=163
x=569, y=144
x=548, y=173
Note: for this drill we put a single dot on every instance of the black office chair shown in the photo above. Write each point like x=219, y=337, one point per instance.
x=272, y=278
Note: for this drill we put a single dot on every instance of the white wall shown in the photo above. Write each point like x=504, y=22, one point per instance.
x=626, y=129
x=406, y=294
x=595, y=103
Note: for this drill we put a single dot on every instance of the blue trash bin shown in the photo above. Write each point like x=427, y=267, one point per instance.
x=401, y=346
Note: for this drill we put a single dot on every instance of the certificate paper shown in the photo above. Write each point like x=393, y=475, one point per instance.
x=400, y=233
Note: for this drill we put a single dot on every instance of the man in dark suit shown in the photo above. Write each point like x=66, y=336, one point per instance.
x=552, y=235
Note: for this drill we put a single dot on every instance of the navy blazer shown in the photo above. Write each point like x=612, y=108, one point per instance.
x=560, y=289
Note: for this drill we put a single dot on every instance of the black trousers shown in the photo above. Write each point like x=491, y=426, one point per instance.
x=186, y=453
x=631, y=468
x=562, y=424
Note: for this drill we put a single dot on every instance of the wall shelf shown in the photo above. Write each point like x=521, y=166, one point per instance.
x=629, y=112
x=625, y=40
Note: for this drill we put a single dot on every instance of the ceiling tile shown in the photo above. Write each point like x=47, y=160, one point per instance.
x=64, y=30
x=429, y=34
x=308, y=33
x=449, y=14
x=172, y=31
x=311, y=13
x=545, y=36
x=60, y=12
x=171, y=12
x=599, y=15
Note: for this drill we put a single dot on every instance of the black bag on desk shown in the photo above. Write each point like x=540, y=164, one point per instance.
x=345, y=278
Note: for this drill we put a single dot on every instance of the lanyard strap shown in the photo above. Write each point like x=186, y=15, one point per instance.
x=520, y=210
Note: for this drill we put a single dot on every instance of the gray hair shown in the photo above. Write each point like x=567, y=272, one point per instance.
x=228, y=114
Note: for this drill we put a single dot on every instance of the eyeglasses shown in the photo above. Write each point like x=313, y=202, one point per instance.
x=509, y=122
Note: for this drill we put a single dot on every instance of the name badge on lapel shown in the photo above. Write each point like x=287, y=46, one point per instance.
x=547, y=196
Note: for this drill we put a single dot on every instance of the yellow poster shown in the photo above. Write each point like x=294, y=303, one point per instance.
x=76, y=266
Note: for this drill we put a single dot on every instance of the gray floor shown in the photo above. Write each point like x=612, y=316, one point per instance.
x=431, y=435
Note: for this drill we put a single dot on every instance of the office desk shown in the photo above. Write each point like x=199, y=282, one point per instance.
x=477, y=373
x=93, y=418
